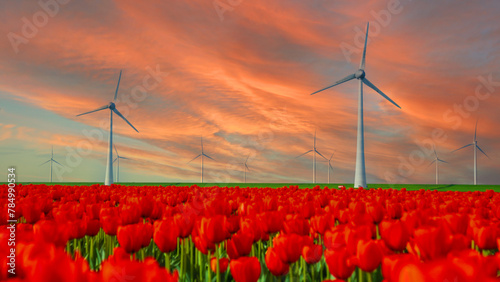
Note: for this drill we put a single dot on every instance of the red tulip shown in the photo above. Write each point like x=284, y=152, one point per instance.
x=223, y=263
x=485, y=237
x=369, y=255
x=289, y=246
x=245, y=269
x=376, y=211
x=433, y=242
x=338, y=265
x=312, y=253
x=394, y=234
x=239, y=245
x=135, y=236
x=165, y=235
x=274, y=263
x=214, y=229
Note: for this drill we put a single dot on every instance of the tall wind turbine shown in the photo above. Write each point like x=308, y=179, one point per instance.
x=330, y=167
x=51, y=160
x=108, y=179
x=314, y=151
x=201, y=155
x=246, y=168
x=437, y=160
x=474, y=143
x=360, y=174
x=117, y=159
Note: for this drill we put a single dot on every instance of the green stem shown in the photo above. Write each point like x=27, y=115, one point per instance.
x=209, y=270
x=167, y=261
x=369, y=276
x=217, y=251
x=360, y=273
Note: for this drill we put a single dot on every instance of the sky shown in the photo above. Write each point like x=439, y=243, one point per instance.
x=240, y=74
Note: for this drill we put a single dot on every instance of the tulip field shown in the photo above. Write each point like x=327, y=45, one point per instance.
x=192, y=233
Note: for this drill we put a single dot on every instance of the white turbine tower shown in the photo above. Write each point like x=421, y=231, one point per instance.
x=108, y=179
x=437, y=160
x=245, y=168
x=117, y=160
x=330, y=167
x=314, y=151
x=201, y=155
x=360, y=174
x=51, y=160
x=474, y=143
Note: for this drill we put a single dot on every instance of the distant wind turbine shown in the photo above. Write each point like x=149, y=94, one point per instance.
x=117, y=160
x=437, y=160
x=108, y=179
x=330, y=167
x=201, y=155
x=360, y=174
x=314, y=151
x=245, y=168
x=51, y=160
x=474, y=143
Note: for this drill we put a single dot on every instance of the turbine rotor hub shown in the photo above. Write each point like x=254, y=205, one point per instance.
x=112, y=106
x=360, y=74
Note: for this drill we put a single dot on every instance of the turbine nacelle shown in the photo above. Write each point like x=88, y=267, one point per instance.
x=111, y=106
x=360, y=74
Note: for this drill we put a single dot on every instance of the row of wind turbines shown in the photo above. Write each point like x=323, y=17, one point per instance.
x=360, y=172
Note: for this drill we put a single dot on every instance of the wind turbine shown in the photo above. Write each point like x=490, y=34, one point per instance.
x=246, y=168
x=117, y=159
x=51, y=160
x=474, y=143
x=108, y=179
x=437, y=160
x=314, y=151
x=330, y=167
x=201, y=155
x=360, y=174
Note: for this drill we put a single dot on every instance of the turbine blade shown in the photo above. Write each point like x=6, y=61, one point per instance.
x=345, y=79
x=57, y=162
x=195, y=158
x=482, y=151
x=119, y=114
x=208, y=156
x=247, y=159
x=118, y=85
x=367, y=82
x=96, y=110
x=52, y=153
x=321, y=155
x=303, y=154
x=443, y=161
x=115, y=160
x=247, y=167
x=475, y=131
x=116, y=151
x=362, y=64
x=330, y=166
x=462, y=147
x=45, y=163
x=431, y=163
x=202, y=144
x=124, y=158
x=434, y=147
x=331, y=156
